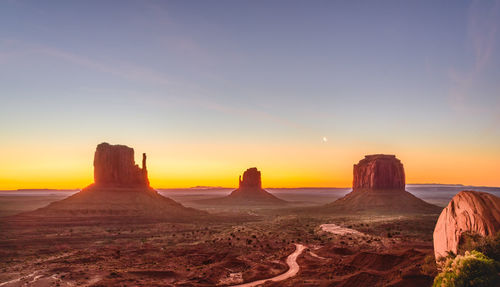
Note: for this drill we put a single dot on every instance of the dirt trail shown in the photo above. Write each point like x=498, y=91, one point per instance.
x=336, y=229
x=292, y=270
x=36, y=275
x=29, y=276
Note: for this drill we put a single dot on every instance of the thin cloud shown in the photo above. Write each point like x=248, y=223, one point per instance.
x=246, y=112
x=191, y=95
x=482, y=26
x=124, y=70
x=482, y=31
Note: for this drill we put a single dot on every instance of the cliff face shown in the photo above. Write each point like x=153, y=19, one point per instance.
x=379, y=186
x=251, y=179
x=379, y=172
x=114, y=166
x=468, y=211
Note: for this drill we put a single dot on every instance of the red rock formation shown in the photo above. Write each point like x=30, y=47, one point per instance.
x=121, y=188
x=379, y=186
x=250, y=192
x=251, y=179
x=468, y=211
x=379, y=172
x=114, y=166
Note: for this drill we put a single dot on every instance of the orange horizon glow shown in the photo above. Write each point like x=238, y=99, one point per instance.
x=219, y=164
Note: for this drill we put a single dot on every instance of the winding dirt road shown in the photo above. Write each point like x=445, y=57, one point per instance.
x=293, y=269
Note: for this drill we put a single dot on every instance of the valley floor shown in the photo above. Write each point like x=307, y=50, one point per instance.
x=229, y=250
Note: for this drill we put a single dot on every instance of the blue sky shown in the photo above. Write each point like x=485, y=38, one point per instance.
x=386, y=75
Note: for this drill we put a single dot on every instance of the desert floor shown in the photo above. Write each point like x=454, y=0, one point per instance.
x=233, y=247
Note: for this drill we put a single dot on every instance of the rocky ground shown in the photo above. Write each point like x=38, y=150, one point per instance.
x=229, y=250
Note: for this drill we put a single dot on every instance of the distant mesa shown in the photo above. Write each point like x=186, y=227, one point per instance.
x=470, y=212
x=120, y=188
x=379, y=186
x=251, y=179
x=379, y=172
x=249, y=192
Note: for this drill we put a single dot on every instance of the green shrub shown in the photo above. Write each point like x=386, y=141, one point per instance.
x=473, y=269
x=489, y=246
x=429, y=266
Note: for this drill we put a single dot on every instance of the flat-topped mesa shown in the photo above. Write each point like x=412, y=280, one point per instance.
x=379, y=186
x=251, y=179
x=379, y=172
x=114, y=166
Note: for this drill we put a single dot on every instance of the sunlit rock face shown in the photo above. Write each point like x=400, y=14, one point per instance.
x=379, y=172
x=468, y=211
x=379, y=186
x=114, y=166
x=251, y=179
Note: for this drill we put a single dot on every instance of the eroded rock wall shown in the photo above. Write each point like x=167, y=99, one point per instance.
x=379, y=172
x=251, y=179
x=114, y=166
x=468, y=211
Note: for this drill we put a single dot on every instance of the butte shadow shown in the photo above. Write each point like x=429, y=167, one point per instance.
x=249, y=194
x=379, y=187
x=120, y=189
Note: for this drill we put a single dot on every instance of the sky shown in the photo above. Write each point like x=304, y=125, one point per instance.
x=300, y=89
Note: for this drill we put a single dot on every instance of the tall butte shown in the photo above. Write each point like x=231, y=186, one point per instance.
x=379, y=173
x=120, y=188
x=379, y=186
x=114, y=166
x=249, y=192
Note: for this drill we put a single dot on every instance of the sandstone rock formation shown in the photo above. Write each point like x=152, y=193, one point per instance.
x=121, y=188
x=251, y=179
x=249, y=192
x=114, y=166
x=379, y=186
x=379, y=172
x=468, y=211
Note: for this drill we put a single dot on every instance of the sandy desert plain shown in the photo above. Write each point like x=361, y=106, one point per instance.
x=230, y=246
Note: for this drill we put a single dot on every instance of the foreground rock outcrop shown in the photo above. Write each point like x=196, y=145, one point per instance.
x=379, y=186
x=468, y=211
x=249, y=193
x=121, y=188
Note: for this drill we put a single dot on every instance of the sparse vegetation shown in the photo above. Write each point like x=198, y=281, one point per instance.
x=472, y=269
x=429, y=267
x=256, y=247
x=489, y=246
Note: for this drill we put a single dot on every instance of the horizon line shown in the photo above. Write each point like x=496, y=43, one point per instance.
x=224, y=187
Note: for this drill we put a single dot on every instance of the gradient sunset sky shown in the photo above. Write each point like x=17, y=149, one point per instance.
x=300, y=89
